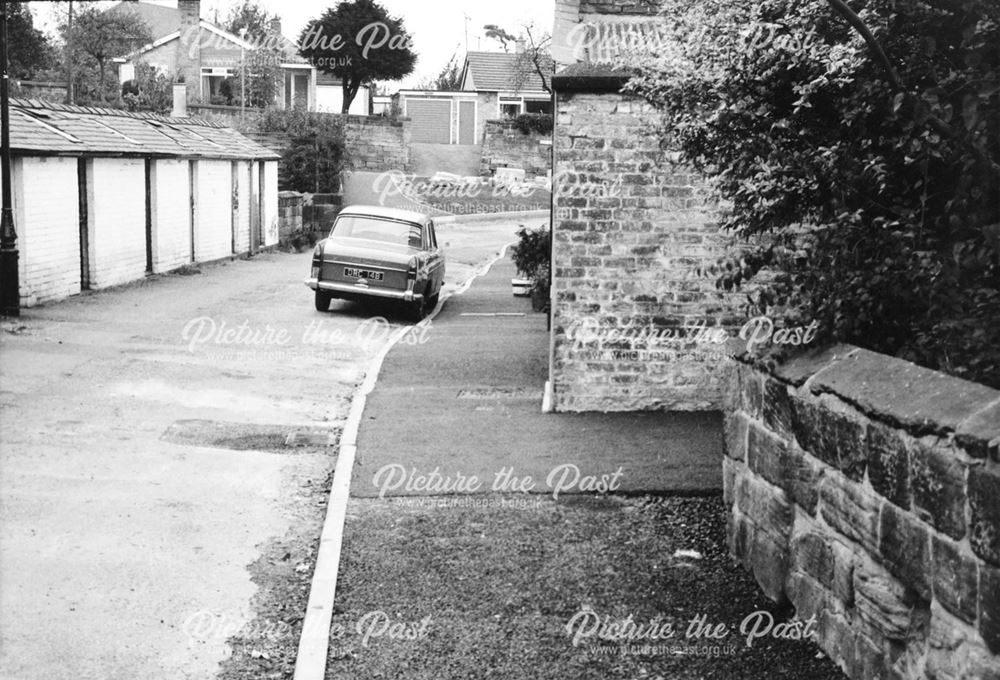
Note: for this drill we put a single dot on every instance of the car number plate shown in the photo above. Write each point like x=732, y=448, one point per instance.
x=352, y=273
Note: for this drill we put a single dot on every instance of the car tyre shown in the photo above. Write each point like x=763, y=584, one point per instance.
x=417, y=310
x=323, y=301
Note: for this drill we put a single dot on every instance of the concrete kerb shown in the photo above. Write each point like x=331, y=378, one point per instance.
x=310, y=661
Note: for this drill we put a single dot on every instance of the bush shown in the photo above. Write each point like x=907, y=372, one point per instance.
x=314, y=157
x=540, y=123
x=533, y=251
x=878, y=184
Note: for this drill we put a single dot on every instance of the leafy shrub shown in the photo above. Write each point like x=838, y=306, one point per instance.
x=540, y=123
x=150, y=90
x=314, y=157
x=876, y=180
x=533, y=251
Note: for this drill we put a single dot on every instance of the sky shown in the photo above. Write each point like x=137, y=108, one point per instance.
x=438, y=27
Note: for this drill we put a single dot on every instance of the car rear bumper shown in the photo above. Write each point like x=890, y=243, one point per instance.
x=349, y=289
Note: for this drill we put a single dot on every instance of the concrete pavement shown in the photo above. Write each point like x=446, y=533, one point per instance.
x=466, y=403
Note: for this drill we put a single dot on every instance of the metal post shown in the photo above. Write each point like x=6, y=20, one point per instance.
x=70, y=99
x=10, y=294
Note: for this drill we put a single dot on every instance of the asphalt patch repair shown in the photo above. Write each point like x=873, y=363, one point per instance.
x=523, y=586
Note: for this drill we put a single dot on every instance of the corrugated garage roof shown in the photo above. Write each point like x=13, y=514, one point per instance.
x=495, y=72
x=46, y=128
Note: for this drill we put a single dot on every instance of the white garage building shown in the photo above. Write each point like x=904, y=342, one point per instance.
x=102, y=196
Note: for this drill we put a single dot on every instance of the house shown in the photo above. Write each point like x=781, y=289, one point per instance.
x=495, y=85
x=635, y=325
x=104, y=196
x=206, y=56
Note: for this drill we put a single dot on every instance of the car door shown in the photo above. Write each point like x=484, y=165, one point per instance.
x=435, y=259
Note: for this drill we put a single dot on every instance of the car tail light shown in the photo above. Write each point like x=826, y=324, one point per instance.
x=317, y=260
x=411, y=269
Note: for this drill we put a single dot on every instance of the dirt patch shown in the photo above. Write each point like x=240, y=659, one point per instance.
x=480, y=589
x=266, y=647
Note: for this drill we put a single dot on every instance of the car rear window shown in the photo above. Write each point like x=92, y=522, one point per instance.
x=376, y=229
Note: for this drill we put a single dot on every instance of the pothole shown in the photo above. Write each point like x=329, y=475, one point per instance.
x=253, y=436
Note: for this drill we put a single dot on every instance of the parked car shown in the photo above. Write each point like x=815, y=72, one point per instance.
x=379, y=253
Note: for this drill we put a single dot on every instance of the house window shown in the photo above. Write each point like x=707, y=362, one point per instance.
x=538, y=106
x=217, y=85
x=510, y=107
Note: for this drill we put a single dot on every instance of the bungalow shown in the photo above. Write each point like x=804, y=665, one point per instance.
x=206, y=56
x=494, y=86
x=102, y=196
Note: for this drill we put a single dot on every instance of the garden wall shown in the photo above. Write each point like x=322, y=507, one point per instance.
x=289, y=214
x=504, y=146
x=865, y=491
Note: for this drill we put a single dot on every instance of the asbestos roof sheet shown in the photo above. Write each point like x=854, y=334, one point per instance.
x=48, y=128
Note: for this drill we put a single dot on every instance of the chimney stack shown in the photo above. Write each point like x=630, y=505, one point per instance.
x=519, y=46
x=180, y=101
x=276, y=26
x=189, y=50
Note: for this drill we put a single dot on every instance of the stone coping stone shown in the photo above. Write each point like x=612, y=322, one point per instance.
x=902, y=393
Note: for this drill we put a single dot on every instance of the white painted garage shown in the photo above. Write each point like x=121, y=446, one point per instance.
x=102, y=197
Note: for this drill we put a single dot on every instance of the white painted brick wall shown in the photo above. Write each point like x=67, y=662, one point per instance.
x=171, y=214
x=46, y=218
x=117, y=221
x=213, y=234
x=243, y=226
x=270, y=221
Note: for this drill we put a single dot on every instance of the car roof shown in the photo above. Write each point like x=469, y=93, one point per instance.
x=389, y=213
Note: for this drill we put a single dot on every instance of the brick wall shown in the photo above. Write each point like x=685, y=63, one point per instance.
x=629, y=229
x=865, y=491
x=504, y=146
x=170, y=187
x=45, y=203
x=627, y=7
x=117, y=220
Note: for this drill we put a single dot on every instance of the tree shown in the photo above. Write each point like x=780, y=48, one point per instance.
x=261, y=72
x=865, y=150
x=535, y=58
x=533, y=54
x=358, y=42
x=149, y=90
x=28, y=50
x=499, y=34
x=448, y=79
x=250, y=15
x=105, y=35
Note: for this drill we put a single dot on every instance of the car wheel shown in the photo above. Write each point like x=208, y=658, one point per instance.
x=323, y=301
x=417, y=310
x=432, y=301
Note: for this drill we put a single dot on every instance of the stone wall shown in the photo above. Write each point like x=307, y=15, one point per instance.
x=865, y=491
x=289, y=214
x=370, y=142
x=376, y=143
x=504, y=146
x=630, y=229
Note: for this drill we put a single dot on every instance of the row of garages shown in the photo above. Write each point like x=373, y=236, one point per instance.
x=103, y=197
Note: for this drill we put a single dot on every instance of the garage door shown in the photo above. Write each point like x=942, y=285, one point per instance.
x=431, y=120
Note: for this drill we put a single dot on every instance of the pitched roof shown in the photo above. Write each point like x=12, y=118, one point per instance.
x=44, y=128
x=495, y=71
x=161, y=20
